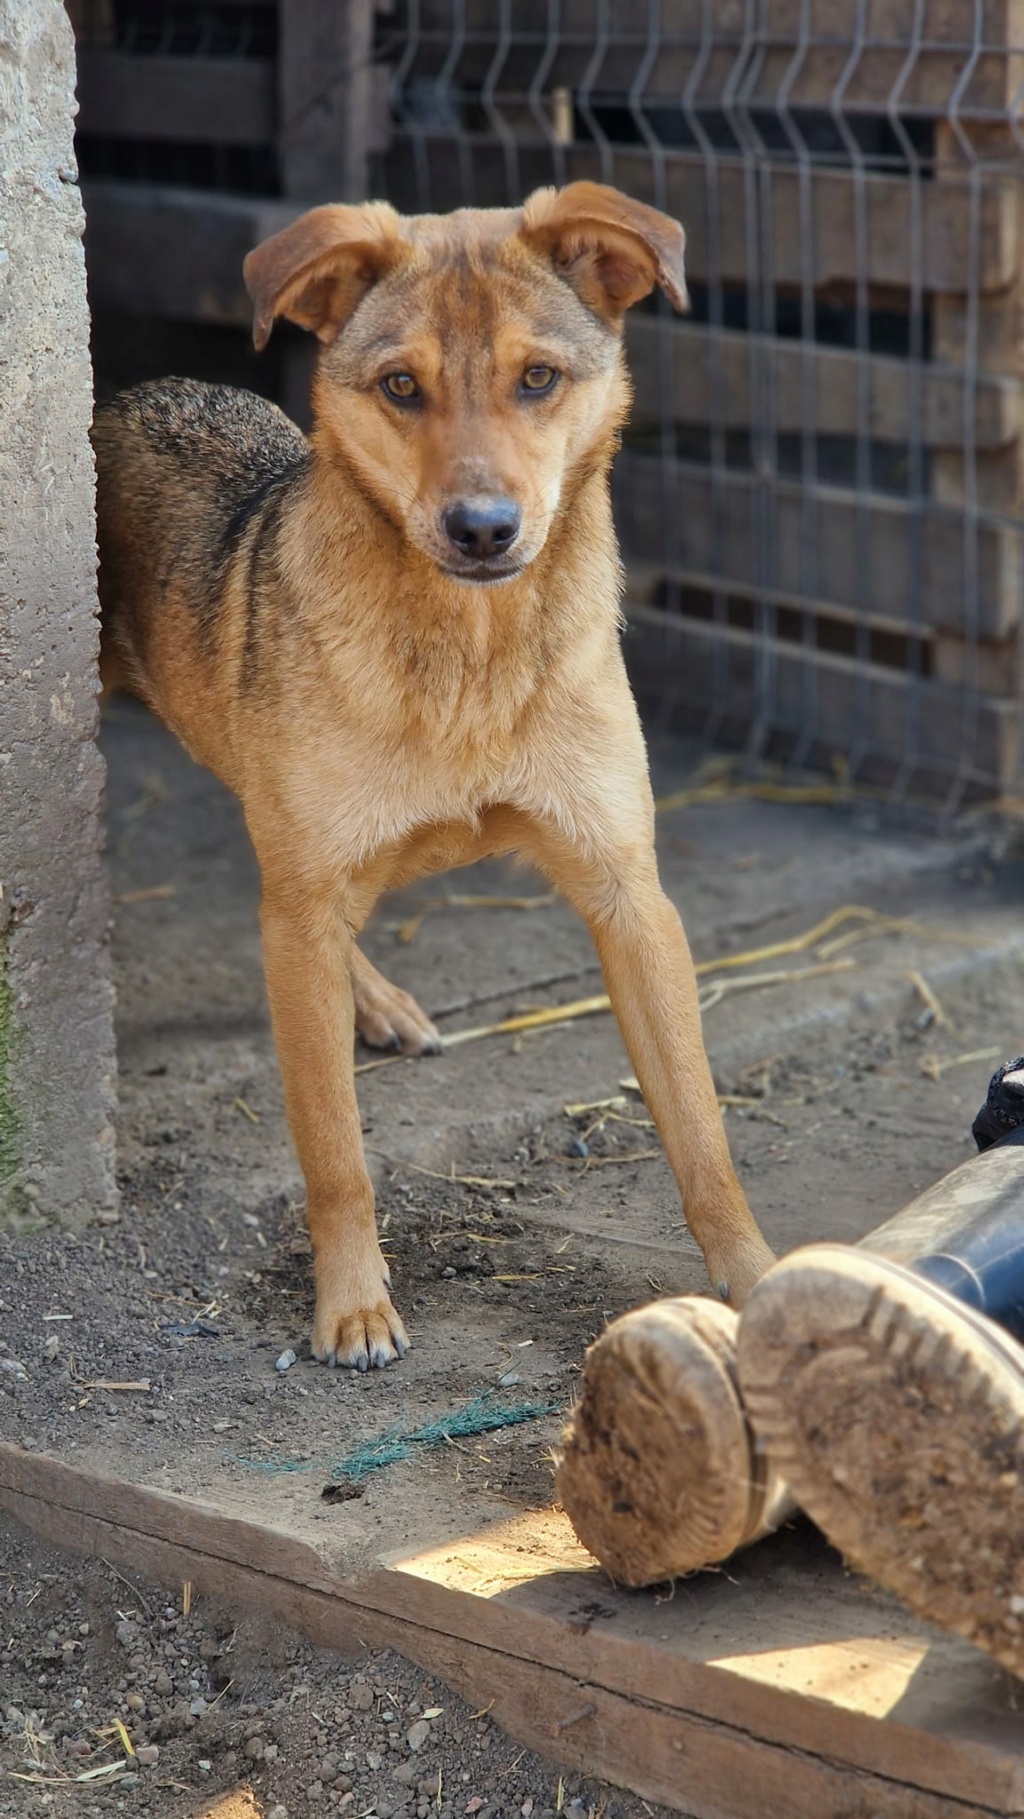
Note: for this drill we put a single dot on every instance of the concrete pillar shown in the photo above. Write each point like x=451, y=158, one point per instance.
x=57, y=1077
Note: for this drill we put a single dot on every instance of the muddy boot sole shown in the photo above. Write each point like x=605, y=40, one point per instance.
x=897, y=1417
x=656, y=1473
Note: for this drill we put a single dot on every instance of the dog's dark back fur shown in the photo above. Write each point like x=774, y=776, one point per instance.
x=225, y=457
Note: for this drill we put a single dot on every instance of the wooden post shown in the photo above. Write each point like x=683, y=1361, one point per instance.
x=326, y=94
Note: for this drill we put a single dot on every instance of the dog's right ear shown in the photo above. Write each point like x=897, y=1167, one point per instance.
x=316, y=270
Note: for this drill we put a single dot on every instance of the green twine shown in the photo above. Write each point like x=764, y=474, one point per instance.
x=481, y=1416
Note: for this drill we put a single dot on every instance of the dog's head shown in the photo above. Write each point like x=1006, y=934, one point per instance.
x=471, y=362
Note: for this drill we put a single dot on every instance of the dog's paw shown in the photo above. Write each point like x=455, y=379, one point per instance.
x=387, y=1017
x=356, y=1325
x=366, y=1339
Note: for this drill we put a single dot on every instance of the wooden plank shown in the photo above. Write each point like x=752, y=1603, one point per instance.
x=925, y=82
x=737, y=684
x=993, y=478
x=994, y=668
x=217, y=100
x=845, y=1704
x=812, y=239
x=826, y=548
x=171, y=252
x=707, y=377
x=328, y=96
x=901, y=22
x=807, y=57
x=678, y=72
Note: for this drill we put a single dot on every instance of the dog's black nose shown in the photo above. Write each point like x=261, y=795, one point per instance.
x=483, y=526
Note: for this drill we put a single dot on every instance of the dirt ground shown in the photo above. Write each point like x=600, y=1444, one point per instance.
x=515, y=1228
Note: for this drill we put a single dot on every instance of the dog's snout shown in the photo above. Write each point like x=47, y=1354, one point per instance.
x=483, y=526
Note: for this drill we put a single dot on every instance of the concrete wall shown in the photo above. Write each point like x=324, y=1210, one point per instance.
x=57, y=1075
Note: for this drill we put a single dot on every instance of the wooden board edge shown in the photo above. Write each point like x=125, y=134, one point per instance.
x=698, y=1766
x=174, y=1538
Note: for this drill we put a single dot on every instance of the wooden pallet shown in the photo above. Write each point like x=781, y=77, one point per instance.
x=829, y=548
x=321, y=103
x=782, y=1689
x=944, y=732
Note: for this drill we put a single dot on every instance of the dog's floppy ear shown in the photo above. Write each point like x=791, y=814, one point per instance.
x=612, y=250
x=316, y=270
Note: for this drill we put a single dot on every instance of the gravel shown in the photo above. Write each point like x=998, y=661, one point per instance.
x=221, y=1699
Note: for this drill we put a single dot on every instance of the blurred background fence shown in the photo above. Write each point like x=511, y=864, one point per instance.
x=819, y=495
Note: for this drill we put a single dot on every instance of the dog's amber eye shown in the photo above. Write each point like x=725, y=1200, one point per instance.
x=538, y=379
x=401, y=387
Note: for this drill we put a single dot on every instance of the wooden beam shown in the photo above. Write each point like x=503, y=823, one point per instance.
x=782, y=1690
x=823, y=547
x=175, y=253
x=707, y=377
x=807, y=75
x=759, y=222
x=328, y=99
x=703, y=674
x=219, y=100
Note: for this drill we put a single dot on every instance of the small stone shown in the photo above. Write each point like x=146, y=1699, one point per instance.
x=374, y=1759
x=197, y=1707
x=51, y=1347
x=163, y=1683
x=509, y=1379
x=254, y=1749
x=250, y=1220
x=405, y=1773
x=286, y=1360
x=127, y=1633
x=14, y=1369
x=270, y=1752
x=417, y=1734
x=361, y=1697
x=135, y=1702
x=448, y=1274
x=148, y=1754
x=278, y=1812
x=79, y=1747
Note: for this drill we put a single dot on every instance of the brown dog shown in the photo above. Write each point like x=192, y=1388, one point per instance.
x=398, y=642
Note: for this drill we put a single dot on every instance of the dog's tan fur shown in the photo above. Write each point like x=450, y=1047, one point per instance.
x=296, y=613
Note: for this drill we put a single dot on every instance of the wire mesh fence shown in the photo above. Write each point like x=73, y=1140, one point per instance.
x=819, y=493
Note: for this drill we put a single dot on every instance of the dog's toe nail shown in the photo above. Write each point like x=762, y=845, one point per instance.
x=722, y=1290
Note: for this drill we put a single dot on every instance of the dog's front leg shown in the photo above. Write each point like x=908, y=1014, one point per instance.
x=649, y=974
x=307, y=953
